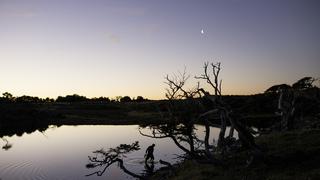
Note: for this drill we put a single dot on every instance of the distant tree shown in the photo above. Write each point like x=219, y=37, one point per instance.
x=117, y=98
x=60, y=99
x=101, y=100
x=76, y=98
x=140, y=99
x=72, y=98
x=27, y=99
x=48, y=100
x=125, y=99
x=7, y=96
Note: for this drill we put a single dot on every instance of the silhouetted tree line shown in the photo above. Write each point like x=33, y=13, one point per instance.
x=9, y=98
x=78, y=98
x=128, y=99
x=72, y=98
x=27, y=113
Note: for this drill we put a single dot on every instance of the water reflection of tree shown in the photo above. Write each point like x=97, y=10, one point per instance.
x=7, y=146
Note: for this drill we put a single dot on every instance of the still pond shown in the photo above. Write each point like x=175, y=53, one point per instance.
x=61, y=153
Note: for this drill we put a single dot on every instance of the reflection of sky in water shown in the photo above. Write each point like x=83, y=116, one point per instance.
x=62, y=153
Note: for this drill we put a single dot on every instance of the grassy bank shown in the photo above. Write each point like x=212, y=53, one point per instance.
x=289, y=155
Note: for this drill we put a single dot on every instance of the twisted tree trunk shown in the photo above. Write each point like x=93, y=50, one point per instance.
x=222, y=130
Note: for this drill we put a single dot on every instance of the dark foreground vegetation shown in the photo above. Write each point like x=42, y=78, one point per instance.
x=278, y=131
x=288, y=155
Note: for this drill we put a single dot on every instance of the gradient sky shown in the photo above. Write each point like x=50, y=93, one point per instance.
x=116, y=47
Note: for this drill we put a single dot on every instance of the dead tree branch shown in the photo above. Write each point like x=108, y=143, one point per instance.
x=215, y=83
x=113, y=155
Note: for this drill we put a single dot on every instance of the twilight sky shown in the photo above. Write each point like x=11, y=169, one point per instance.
x=116, y=47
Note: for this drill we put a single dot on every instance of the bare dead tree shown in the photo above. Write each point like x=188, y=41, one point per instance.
x=181, y=107
x=187, y=107
x=175, y=91
x=175, y=84
x=212, y=78
x=215, y=83
x=220, y=109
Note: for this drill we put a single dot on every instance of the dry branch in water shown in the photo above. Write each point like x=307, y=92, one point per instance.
x=104, y=158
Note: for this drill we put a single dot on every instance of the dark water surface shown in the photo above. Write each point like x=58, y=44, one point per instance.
x=62, y=152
